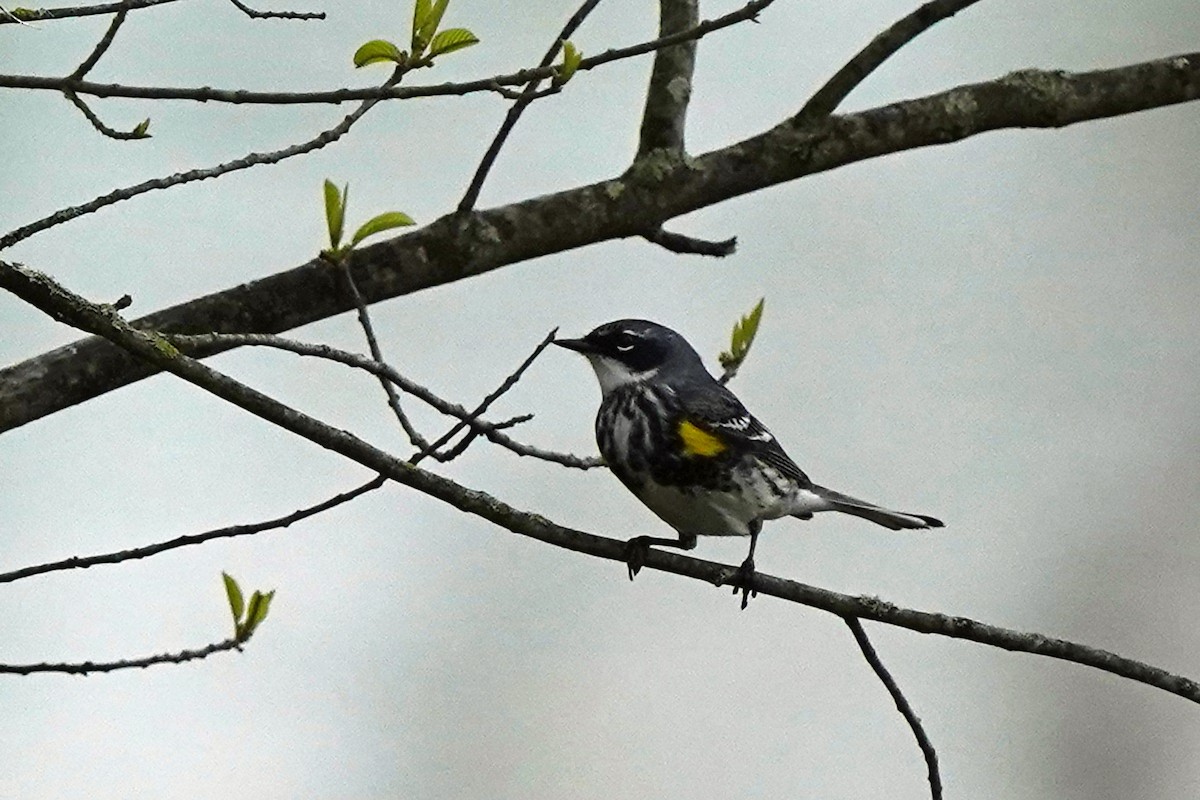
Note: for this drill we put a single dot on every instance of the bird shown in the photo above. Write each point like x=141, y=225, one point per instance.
x=688, y=449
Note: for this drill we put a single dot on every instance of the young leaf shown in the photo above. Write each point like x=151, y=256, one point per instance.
x=236, y=604
x=434, y=20
x=256, y=612
x=571, y=59
x=377, y=50
x=744, y=331
x=450, y=40
x=335, y=212
x=420, y=14
x=141, y=130
x=424, y=30
x=380, y=223
x=264, y=608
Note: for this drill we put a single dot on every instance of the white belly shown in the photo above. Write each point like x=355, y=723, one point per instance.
x=703, y=512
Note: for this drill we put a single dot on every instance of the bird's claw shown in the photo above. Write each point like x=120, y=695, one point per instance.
x=635, y=555
x=741, y=580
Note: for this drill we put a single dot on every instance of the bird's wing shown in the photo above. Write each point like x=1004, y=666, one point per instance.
x=718, y=413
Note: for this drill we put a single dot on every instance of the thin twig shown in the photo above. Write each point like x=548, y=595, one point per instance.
x=393, y=399
x=101, y=46
x=369, y=97
x=473, y=434
x=902, y=705
x=88, y=667
x=509, y=382
x=9, y=17
x=190, y=539
x=511, y=422
x=205, y=94
x=86, y=65
x=256, y=14
x=515, y=111
x=98, y=123
x=38, y=15
x=687, y=245
x=247, y=161
x=512, y=94
x=881, y=48
x=486, y=429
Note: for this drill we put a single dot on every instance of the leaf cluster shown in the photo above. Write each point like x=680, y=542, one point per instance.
x=744, y=331
x=566, y=70
x=335, y=218
x=427, y=41
x=246, y=617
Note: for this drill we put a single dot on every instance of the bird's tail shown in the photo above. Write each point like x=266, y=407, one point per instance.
x=896, y=520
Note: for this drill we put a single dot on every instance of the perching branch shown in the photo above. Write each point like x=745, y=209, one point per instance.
x=453, y=248
x=902, y=705
x=44, y=293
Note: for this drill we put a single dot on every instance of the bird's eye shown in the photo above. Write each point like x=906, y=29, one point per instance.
x=625, y=341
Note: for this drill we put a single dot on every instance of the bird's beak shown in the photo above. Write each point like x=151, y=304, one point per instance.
x=578, y=345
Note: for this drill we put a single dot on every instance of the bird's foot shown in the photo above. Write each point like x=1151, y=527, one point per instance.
x=741, y=581
x=635, y=554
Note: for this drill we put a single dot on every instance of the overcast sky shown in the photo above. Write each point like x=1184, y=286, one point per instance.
x=1002, y=333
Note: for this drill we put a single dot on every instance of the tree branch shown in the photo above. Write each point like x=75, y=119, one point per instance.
x=453, y=248
x=484, y=405
x=665, y=115
x=527, y=96
x=88, y=667
x=206, y=94
x=98, y=123
x=101, y=46
x=880, y=49
x=393, y=399
x=190, y=539
x=247, y=161
x=42, y=14
x=906, y=711
x=45, y=294
x=491, y=431
x=687, y=245
x=253, y=13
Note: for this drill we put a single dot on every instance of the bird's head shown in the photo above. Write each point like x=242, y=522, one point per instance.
x=632, y=350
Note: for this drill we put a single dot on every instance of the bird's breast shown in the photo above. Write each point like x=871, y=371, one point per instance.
x=644, y=435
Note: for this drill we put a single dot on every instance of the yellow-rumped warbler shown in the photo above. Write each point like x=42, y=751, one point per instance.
x=688, y=449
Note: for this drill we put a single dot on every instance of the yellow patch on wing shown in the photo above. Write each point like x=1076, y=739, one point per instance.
x=699, y=442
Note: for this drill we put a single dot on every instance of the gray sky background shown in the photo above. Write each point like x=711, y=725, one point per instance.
x=1002, y=333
